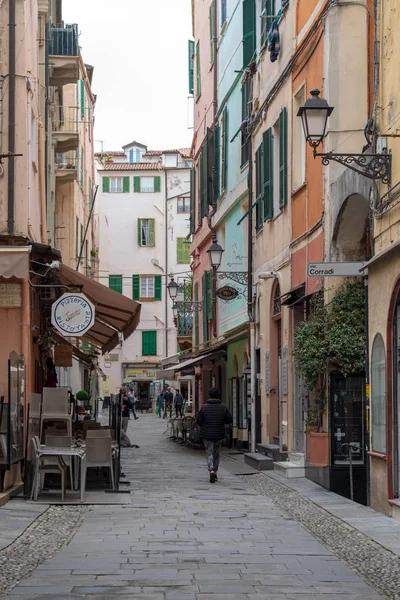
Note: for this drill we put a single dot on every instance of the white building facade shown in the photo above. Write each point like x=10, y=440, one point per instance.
x=143, y=202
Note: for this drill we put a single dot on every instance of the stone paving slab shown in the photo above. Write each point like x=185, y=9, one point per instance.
x=182, y=538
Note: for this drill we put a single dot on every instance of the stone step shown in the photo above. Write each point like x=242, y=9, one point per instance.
x=395, y=509
x=273, y=451
x=259, y=461
x=289, y=470
x=297, y=458
x=276, y=440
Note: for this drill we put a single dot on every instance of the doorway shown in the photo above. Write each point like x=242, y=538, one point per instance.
x=396, y=401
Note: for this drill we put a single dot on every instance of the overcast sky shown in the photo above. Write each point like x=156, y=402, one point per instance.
x=139, y=52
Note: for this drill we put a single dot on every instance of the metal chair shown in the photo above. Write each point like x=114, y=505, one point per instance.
x=98, y=433
x=42, y=468
x=61, y=441
x=99, y=454
x=55, y=407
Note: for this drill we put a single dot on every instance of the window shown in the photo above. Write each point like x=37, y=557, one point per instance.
x=212, y=31
x=191, y=66
x=183, y=205
x=268, y=188
x=196, y=316
x=245, y=115
x=249, y=32
x=135, y=155
x=279, y=167
x=193, y=200
x=149, y=343
x=77, y=237
x=147, y=287
x=378, y=395
x=198, y=75
x=259, y=187
x=115, y=283
x=270, y=8
x=223, y=12
x=146, y=184
x=116, y=184
x=224, y=150
x=146, y=232
x=299, y=142
x=82, y=98
x=182, y=251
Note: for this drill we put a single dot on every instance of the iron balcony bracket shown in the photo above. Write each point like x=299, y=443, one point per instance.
x=241, y=277
x=188, y=306
x=373, y=166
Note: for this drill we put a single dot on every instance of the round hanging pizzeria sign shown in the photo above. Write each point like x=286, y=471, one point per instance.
x=72, y=314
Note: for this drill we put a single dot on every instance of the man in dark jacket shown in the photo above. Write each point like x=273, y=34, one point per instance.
x=212, y=419
x=168, y=401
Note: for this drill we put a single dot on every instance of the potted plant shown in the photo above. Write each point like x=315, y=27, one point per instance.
x=82, y=398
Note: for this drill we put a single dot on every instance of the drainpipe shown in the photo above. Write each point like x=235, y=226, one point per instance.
x=166, y=261
x=26, y=337
x=11, y=120
x=250, y=310
x=42, y=180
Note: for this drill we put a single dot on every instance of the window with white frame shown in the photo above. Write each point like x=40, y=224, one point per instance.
x=147, y=184
x=183, y=205
x=116, y=184
x=145, y=232
x=299, y=142
x=135, y=155
x=146, y=286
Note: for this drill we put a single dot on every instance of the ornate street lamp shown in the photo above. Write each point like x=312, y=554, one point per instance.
x=314, y=115
x=172, y=288
x=175, y=309
x=215, y=252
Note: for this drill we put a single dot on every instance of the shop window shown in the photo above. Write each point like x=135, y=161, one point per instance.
x=378, y=395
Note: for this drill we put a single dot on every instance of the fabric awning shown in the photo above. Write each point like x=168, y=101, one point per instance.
x=114, y=312
x=14, y=261
x=170, y=373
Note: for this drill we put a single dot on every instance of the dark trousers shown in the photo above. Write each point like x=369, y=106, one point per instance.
x=133, y=411
x=178, y=410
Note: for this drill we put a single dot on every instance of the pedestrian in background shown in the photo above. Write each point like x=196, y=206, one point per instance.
x=178, y=403
x=212, y=418
x=168, y=401
x=125, y=413
x=160, y=404
x=133, y=400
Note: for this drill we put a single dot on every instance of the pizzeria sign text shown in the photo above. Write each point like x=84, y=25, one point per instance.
x=72, y=315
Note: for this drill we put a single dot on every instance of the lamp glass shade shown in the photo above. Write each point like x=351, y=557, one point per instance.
x=314, y=123
x=175, y=310
x=215, y=251
x=172, y=288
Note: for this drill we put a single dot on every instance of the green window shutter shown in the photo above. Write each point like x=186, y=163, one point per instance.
x=106, y=184
x=135, y=287
x=225, y=142
x=125, y=184
x=200, y=188
x=210, y=169
x=283, y=158
x=259, y=187
x=77, y=237
x=191, y=66
x=182, y=251
x=267, y=175
x=212, y=31
x=152, y=227
x=249, y=31
x=209, y=296
x=149, y=343
x=157, y=183
x=198, y=74
x=269, y=8
x=204, y=312
x=82, y=94
x=115, y=283
x=136, y=184
x=217, y=157
x=139, y=232
x=157, y=287
x=193, y=200
x=196, y=316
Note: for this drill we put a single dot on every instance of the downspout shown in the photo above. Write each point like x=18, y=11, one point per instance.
x=166, y=261
x=26, y=336
x=42, y=178
x=11, y=121
x=214, y=200
x=250, y=310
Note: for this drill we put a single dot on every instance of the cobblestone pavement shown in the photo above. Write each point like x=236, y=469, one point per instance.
x=182, y=538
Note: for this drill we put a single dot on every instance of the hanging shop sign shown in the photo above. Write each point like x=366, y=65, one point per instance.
x=227, y=293
x=63, y=356
x=335, y=269
x=140, y=373
x=72, y=315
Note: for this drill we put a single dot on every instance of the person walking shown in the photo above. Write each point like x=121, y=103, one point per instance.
x=160, y=404
x=178, y=403
x=133, y=400
x=168, y=401
x=212, y=418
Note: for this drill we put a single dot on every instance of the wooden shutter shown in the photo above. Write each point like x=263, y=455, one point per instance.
x=198, y=75
x=115, y=283
x=191, y=65
x=192, y=200
x=204, y=312
x=217, y=158
x=157, y=287
x=136, y=184
x=268, y=175
x=106, y=184
x=196, y=316
x=283, y=158
x=135, y=287
x=82, y=102
x=139, y=232
x=209, y=295
x=249, y=31
x=200, y=189
x=152, y=230
x=225, y=142
x=157, y=183
x=126, y=184
x=179, y=250
x=210, y=170
x=212, y=31
x=149, y=343
x=259, y=187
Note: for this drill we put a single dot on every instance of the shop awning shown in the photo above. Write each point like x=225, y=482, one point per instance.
x=170, y=373
x=115, y=313
x=14, y=261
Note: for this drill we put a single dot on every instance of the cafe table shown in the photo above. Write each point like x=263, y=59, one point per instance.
x=60, y=453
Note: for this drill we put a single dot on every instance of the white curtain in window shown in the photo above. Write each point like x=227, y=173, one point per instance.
x=116, y=184
x=145, y=232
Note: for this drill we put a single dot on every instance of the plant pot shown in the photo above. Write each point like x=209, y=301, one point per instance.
x=318, y=449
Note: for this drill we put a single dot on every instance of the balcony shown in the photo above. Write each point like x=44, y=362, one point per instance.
x=63, y=54
x=65, y=129
x=66, y=167
x=185, y=329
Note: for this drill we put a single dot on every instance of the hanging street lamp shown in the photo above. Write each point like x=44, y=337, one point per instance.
x=215, y=253
x=172, y=288
x=314, y=116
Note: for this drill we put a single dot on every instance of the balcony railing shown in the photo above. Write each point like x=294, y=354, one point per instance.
x=66, y=119
x=185, y=325
x=68, y=160
x=63, y=40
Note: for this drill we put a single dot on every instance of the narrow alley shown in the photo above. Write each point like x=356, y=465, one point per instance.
x=178, y=537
